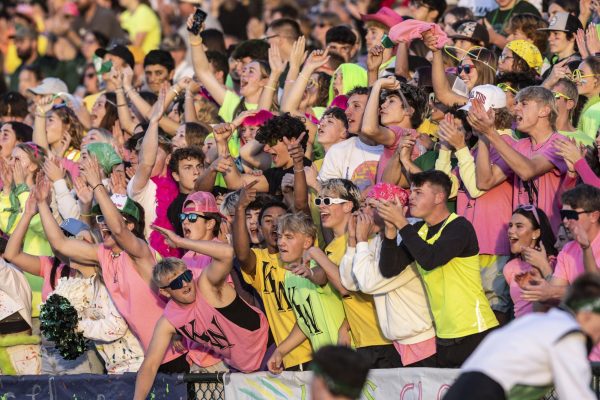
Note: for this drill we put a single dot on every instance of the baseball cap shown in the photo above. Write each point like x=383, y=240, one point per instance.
x=563, y=22
x=124, y=204
x=527, y=51
x=384, y=15
x=23, y=31
x=73, y=226
x=50, y=86
x=118, y=51
x=105, y=154
x=172, y=43
x=473, y=32
x=491, y=96
x=200, y=202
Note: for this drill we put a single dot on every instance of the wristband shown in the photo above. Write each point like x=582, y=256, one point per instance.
x=297, y=171
x=121, y=105
x=94, y=188
x=270, y=87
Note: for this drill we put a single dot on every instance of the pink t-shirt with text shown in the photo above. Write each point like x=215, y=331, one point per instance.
x=512, y=268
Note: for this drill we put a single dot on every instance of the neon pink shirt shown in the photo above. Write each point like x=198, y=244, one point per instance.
x=491, y=232
x=585, y=172
x=388, y=151
x=550, y=185
x=136, y=301
x=412, y=353
x=204, y=324
x=512, y=268
x=569, y=265
x=45, y=272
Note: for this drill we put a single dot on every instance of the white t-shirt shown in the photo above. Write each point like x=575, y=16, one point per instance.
x=147, y=198
x=354, y=160
x=537, y=350
x=15, y=292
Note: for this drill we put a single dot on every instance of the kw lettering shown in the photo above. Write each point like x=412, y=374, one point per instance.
x=305, y=312
x=272, y=286
x=214, y=337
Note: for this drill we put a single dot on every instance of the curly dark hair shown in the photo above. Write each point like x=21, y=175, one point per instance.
x=185, y=153
x=416, y=98
x=278, y=127
x=518, y=80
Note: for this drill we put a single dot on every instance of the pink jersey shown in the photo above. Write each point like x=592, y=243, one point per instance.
x=545, y=189
x=45, y=272
x=136, y=301
x=388, y=151
x=204, y=324
x=496, y=202
x=512, y=268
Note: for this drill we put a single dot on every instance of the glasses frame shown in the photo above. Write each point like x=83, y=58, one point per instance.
x=466, y=67
x=330, y=200
x=532, y=209
x=558, y=95
x=564, y=214
x=177, y=283
x=184, y=216
x=505, y=87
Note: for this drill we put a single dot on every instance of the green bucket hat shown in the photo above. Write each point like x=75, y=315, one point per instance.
x=124, y=204
x=105, y=154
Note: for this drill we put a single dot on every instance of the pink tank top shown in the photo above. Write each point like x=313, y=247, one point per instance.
x=240, y=348
x=136, y=301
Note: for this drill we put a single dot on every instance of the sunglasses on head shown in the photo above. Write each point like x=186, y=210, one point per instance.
x=505, y=87
x=177, y=283
x=329, y=201
x=192, y=217
x=558, y=95
x=465, y=67
x=532, y=209
x=571, y=214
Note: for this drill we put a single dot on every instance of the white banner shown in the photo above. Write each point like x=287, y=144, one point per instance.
x=382, y=384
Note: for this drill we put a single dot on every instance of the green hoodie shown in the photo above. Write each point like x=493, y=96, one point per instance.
x=352, y=75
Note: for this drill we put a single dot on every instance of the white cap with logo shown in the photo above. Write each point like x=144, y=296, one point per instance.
x=490, y=95
x=50, y=86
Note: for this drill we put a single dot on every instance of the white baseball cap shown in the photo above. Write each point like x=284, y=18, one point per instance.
x=50, y=86
x=491, y=96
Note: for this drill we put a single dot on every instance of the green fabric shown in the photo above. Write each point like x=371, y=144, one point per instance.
x=105, y=154
x=353, y=75
x=15, y=206
x=455, y=293
x=427, y=163
x=589, y=120
x=6, y=367
x=127, y=207
x=319, y=310
x=579, y=136
x=522, y=392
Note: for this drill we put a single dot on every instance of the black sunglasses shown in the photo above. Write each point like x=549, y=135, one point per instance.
x=466, y=67
x=177, y=283
x=192, y=217
x=571, y=214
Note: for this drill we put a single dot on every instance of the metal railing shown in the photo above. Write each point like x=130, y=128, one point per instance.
x=205, y=386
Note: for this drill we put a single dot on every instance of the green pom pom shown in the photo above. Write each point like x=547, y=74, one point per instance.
x=58, y=323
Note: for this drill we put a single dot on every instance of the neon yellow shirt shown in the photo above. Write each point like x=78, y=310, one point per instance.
x=142, y=20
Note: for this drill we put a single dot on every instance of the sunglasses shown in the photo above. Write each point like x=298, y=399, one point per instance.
x=571, y=214
x=192, y=217
x=558, y=95
x=505, y=87
x=67, y=234
x=532, y=209
x=177, y=283
x=329, y=201
x=578, y=75
x=503, y=58
x=466, y=67
x=100, y=219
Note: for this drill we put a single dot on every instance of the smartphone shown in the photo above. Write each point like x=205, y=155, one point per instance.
x=199, y=17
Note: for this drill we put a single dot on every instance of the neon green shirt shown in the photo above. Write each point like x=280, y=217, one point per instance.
x=142, y=20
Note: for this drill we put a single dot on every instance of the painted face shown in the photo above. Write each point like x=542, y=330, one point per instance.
x=156, y=75
x=279, y=152
x=189, y=170
x=521, y=233
x=470, y=77
x=251, y=80
x=178, y=140
x=268, y=225
x=185, y=295
x=374, y=36
x=98, y=111
x=253, y=226
x=292, y=245
x=355, y=111
x=331, y=131
x=8, y=140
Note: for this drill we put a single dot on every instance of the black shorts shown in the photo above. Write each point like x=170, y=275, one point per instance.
x=475, y=386
x=382, y=356
x=452, y=353
x=178, y=365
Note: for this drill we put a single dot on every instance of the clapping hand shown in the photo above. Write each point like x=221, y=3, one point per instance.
x=450, y=134
x=569, y=151
x=481, y=120
x=316, y=60
x=91, y=171
x=393, y=212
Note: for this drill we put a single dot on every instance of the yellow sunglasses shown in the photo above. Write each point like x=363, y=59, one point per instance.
x=507, y=88
x=558, y=95
x=578, y=75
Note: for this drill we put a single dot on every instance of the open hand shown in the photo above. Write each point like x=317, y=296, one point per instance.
x=171, y=238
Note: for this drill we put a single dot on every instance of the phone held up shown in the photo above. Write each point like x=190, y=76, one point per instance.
x=199, y=17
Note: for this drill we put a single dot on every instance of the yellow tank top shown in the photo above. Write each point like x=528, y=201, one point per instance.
x=455, y=293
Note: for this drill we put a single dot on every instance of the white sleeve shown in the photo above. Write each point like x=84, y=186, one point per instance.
x=365, y=270
x=105, y=323
x=346, y=275
x=68, y=207
x=14, y=283
x=329, y=169
x=571, y=368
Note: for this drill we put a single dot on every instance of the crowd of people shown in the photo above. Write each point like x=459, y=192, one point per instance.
x=236, y=188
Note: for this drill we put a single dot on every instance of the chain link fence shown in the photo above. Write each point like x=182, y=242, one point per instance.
x=205, y=386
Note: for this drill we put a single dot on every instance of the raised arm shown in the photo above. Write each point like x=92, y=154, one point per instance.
x=374, y=61
x=271, y=89
x=331, y=270
x=163, y=333
x=202, y=68
x=44, y=105
x=241, y=238
x=300, y=186
x=441, y=86
x=370, y=124
x=14, y=248
x=402, y=68
x=297, y=57
x=291, y=101
x=77, y=250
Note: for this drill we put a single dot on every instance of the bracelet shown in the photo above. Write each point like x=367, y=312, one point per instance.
x=119, y=88
x=303, y=76
x=40, y=115
x=270, y=87
x=128, y=90
x=298, y=171
x=290, y=80
x=121, y=105
x=94, y=188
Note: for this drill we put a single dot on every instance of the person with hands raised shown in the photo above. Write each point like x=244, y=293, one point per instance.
x=444, y=247
x=411, y=331
x=263, y=269
x=316, y=304
x=532, y=164
x=575, y=156
x=269, y=97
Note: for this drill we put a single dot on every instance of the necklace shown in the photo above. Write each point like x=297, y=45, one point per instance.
x=505, y=19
